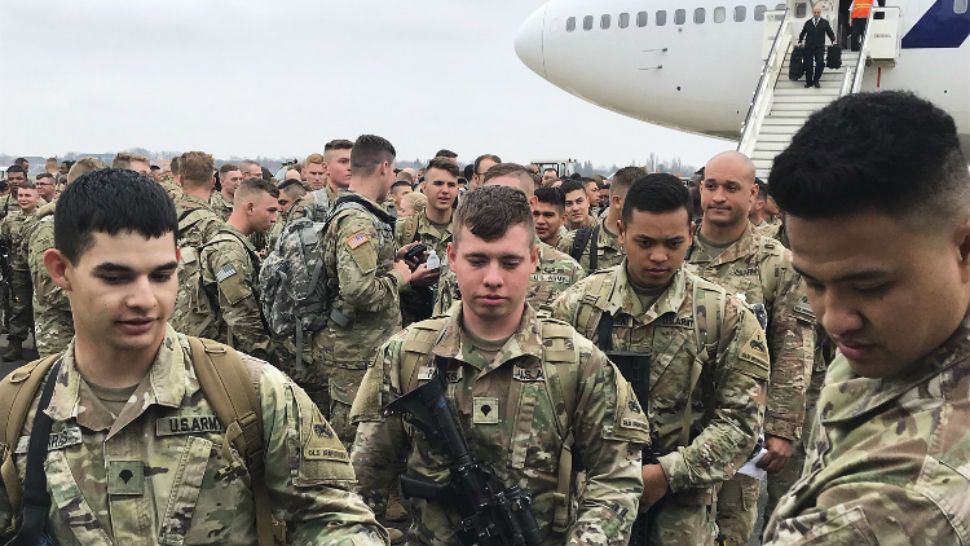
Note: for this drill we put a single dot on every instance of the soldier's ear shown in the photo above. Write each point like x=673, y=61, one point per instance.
x=963, y=244
x=57, y=266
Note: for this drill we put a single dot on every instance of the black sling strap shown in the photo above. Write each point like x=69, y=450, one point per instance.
x=589, y=235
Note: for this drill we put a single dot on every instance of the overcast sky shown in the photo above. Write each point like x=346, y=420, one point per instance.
x=279, y=78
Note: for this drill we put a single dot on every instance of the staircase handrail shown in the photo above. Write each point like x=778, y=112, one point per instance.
x=852, y=83
x=762, y=98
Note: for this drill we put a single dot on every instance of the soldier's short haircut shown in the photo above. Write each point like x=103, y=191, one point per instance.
x=44, y=175
x=252, y=186
x=228, y=167
x=16, y=169
x=368, y=153
x=444, y=152
x=862, y=153
x=762, y=189
x=123, y=160
x=245, y=164
x=110, y=201
x=405, y=176
x=293, y=188
x=657, y=193
x=624, y=178
x=572, y=185
x=490, y=211
x=552, y=196
x=316, y=159
x=82, y=167
x=483, y=157
x=401, y=184
x=196, y=169
x=338, y=144
x=173, y=166
x=28, y=185
x=527, y=181
x=444, y=164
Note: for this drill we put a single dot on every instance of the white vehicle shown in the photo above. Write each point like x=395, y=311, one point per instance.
x=700, y=65
x=564, y=167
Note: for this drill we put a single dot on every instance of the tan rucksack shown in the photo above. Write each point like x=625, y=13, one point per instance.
x=229, y=388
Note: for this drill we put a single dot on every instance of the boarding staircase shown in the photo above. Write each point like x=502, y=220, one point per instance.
x=780, y=106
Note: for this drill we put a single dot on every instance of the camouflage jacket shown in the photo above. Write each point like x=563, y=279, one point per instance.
x=358, y=254
x=768, y=228
x=706, y=399
x=220, y=205
x=514, y=415
x=315, y=205
x=889, y=457
x=609, y=252
x=12, y=229
x=557, y=272
x=758, y=271
x=418, y=227
x=171, y=188
x=230, y=268
x=198, y=223
x=184, y=486
x=53, y=321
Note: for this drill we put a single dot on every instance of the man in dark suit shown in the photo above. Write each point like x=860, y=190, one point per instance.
x=815, y=30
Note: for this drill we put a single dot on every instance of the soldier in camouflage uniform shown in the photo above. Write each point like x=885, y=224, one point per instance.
x=316, y=205
x=198, y=222
x=431, y=228
x=230, y=268
x=602, y=235
x=758, y=271
x=359, y=257
x=291, y=191
x=229, y=179
x=889, y=451
x=707, y=356
x=53, y=322
x=518, y=383
x=12, y=229
x=16, y=177
x=137, y=455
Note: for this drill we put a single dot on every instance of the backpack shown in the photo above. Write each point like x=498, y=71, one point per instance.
x=228, y=387
x=295, y=291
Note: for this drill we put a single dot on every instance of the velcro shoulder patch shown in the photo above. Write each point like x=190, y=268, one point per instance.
x=227, y=272
x=356, y=240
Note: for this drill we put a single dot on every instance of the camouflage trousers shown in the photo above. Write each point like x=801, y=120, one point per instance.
x=313, y=375
x=344, y=383
x=21, y=306
x=737, y=508
x=683, y=519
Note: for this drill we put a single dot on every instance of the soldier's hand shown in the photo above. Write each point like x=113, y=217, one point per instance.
x=654, y=486
x=404, y=250
x=779, y=451
x=404, y=270
x=422, y=276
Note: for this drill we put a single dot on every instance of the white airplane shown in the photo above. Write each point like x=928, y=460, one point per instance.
x=694, y=65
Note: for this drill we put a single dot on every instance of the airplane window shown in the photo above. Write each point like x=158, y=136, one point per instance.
x=759, y=12
x=588, y=22
x=642, y=19
x=661, y=18
x=570, y=24
x=605, y=21
x=719, y=14
x=801, y=10
x=680, y=16
x=960, y=6
x=699, y=15
x=740, y=12
x=624, y=20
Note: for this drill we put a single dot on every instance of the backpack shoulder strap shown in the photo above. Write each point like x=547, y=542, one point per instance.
x=593, y=304
x=416, y=349
x=580, y=241
x=594, y=245
x=709, y=303
x=17, y=392
x=230, y=388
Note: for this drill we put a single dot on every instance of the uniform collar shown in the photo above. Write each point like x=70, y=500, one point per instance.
x=745, y=246
x=187, y=199
x=848, y=396
x=427, y=227
x=525, y=342
x=163, y=385
x=607, y=238
x=246, y=241
x=622, y=297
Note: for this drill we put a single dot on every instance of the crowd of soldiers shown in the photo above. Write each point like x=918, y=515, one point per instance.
x=637, y=353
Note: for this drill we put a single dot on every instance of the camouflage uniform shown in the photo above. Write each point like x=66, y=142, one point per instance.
x=759, y=271
x=198, y=222
x=185, y=486
x=22, y=291
x=230, y=268
x=358, y=254
x=556, y=273
x=768, y=227
x=315, y=205
x=522, y=439
x=220, y=205
x=609, y=251
x=53, y=321
x=888, y=459
x=560, y=235
x=706, y=399
x=419, y=301
x=171, y=188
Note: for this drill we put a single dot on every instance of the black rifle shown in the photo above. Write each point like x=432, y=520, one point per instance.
x=491, y=513
x=6, y=291
x=635, y=368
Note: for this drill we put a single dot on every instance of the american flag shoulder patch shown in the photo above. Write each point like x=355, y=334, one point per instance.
x=357, y=239
x=227, y=271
